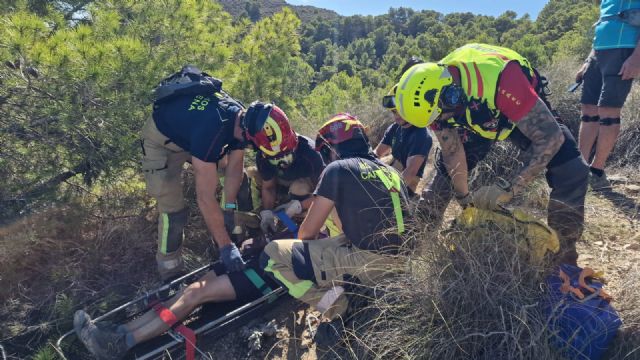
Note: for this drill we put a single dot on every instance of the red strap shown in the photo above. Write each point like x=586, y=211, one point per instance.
x=189, y=335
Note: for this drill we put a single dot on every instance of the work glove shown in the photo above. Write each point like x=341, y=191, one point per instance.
x=231, y=258
x=491, y=197
x=465, y=200
x=292, y=208
x=267, y=221
x=229, y=220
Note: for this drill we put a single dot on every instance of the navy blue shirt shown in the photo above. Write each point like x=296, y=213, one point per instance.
x=200, y=124
x=408, y=142
x=307, y=163
x=363, y=203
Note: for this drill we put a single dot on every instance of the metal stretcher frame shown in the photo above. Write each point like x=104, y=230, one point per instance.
x=146, y=301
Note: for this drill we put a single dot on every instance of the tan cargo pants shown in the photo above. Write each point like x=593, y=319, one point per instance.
x=331, y=259
x=162, y=164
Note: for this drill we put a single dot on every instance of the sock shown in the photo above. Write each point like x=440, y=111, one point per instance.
x=121, y=329
x=595, y=171
x=131, y=342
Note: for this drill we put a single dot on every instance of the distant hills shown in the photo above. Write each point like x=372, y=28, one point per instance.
x=256, y=9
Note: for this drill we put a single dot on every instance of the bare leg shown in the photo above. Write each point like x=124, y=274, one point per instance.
x=209, y=288
x=588, y=131
x=147, y=317
x=607, y=136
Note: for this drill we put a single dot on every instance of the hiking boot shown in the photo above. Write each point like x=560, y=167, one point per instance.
x=329, y=333
x=599, y=182
x=103, y=344
x=170, y=266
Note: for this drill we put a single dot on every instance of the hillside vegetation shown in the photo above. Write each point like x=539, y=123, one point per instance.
x=78, y=229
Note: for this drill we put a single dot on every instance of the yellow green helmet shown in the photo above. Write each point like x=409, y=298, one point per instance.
x=418, y=93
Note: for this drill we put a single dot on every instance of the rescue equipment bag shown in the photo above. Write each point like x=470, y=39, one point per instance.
x=536, y=237
x=581, y=320
x=188, y=81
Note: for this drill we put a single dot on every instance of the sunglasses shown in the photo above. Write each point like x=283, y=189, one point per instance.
x=389, y=102
x=281, y=161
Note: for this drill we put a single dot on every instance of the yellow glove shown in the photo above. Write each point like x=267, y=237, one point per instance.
x=490, y=197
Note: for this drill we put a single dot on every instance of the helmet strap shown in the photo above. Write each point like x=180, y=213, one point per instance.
x=452, y=97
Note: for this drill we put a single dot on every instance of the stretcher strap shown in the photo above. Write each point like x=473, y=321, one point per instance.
x=170, y=319
x=286, y=220
x=257, y=281
x=585, y=273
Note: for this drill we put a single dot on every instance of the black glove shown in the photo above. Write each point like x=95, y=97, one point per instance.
x=229, y=220
x=231, y=258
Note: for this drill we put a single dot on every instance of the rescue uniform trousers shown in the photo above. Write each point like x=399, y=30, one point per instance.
x=162, y=164
x=311, y=268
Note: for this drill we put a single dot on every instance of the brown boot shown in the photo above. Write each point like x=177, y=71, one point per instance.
x=170, y=265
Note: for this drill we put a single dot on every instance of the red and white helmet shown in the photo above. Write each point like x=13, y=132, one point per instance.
x=267, y=126
x=340, y=128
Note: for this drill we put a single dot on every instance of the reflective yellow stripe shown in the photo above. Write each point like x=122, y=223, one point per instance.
x=332, y=227
x=164, y=217
x=392, y=184
x=295, y=290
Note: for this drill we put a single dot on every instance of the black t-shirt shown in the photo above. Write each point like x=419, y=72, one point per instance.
x=363, y=203
x=200, y=124
x=307, y=162
x=408, y=142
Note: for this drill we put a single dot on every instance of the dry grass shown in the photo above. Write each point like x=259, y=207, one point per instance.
x=477, y=295
x=61, y=260
x=466, y=297
x=91, y=253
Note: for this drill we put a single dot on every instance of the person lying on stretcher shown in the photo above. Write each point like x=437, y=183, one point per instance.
x=110, y=341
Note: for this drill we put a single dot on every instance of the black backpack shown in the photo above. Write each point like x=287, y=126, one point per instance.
x=188, y=81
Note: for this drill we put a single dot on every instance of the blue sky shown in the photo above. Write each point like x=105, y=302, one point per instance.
x=377, y=7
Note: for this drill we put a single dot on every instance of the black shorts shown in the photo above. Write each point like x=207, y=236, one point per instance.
x=244, y=287
x=602, y=84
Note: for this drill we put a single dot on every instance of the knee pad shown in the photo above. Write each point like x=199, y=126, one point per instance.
x=264, y=263
x=172, y=230
x=301, y=262
x=263, y=260
x=588, y=119
x=609, y=121
x=244, y=198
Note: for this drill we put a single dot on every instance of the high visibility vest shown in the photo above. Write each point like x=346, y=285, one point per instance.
x=480, y=66
x=392, y=183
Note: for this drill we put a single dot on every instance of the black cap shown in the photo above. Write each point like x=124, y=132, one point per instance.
x=255, y=117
